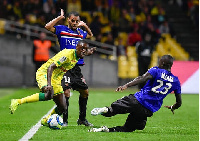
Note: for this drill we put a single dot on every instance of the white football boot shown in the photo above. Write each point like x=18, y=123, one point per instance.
x=99, y=111
x=102, y=129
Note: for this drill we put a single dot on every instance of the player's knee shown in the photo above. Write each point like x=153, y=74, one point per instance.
x=67, y=93
x=84, y=93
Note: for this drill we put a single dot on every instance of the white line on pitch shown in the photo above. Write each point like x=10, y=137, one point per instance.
x=35, y=128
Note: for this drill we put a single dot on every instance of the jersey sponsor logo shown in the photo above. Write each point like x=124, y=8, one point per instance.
x=71, y=38
x=166, y=77
x=71, y=42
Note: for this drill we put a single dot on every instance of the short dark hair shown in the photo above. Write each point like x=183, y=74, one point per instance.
x=168, y=59
x=82, y=41
x=73, y=13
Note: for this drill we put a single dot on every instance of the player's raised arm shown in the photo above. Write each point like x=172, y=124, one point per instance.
x=49, y=25
x=89, y=32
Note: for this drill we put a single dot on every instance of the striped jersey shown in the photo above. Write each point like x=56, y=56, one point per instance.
x=152, y=94
x=69, y=38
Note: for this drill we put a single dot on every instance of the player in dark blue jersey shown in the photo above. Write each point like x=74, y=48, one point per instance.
x=68, y=37
x=159, y=83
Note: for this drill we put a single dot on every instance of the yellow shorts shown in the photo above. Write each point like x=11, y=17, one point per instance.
x=41, y=78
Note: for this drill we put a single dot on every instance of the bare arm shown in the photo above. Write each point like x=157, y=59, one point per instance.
x=136, y=81
x=177, y=104
x=91, y=51
x=49, y=74
x=49, y=25
x=89, y=35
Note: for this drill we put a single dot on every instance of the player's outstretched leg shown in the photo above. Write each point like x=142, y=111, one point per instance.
x=32, y=98
x=99, y=111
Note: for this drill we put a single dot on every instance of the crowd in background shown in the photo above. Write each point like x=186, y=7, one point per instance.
x=135, y=18
x=191, y=8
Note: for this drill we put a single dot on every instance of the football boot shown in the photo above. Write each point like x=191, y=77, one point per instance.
x=13, y=106
x=84, y=122
x=99, y=111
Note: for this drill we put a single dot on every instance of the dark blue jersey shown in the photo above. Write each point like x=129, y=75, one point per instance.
x=152, y=94
x=69, y=38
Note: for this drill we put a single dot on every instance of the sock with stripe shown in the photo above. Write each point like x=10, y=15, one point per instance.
x=32, y=98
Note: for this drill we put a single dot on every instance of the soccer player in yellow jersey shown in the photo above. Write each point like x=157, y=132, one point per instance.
x=49, y=77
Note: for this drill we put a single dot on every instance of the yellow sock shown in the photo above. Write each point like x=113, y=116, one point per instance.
x=52, y=112
x=29, y=99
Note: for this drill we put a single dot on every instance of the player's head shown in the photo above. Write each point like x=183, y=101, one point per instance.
x=42, y=36
x=166, y=62
x=81, y=48
x=73, y=19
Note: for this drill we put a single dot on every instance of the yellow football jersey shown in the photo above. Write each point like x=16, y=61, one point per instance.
x=64, y=60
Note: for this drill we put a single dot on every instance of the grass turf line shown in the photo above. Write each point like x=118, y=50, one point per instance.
x=182, y=126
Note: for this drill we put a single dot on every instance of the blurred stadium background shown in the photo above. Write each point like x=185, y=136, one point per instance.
x=114, y=23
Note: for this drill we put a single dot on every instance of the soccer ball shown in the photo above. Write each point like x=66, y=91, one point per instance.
x=55, y=121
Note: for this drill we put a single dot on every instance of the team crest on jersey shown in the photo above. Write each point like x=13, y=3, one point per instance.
x=79, y=32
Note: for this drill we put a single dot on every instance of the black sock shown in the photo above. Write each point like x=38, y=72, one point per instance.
x=82, y=107
x=65, y=115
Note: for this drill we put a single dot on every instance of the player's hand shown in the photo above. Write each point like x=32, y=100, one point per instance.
x=121, y=88
x=62, y=14
x=48, y=88
x=81, y=23
x=91, y=51
x=170, y=107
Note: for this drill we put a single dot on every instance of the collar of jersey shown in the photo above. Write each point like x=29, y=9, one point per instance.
x=73, y=30
x=76, y=56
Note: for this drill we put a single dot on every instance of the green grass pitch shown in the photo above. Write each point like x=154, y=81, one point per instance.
x=163, y=126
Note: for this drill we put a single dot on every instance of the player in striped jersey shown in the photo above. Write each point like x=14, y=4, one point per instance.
x=68, y=36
